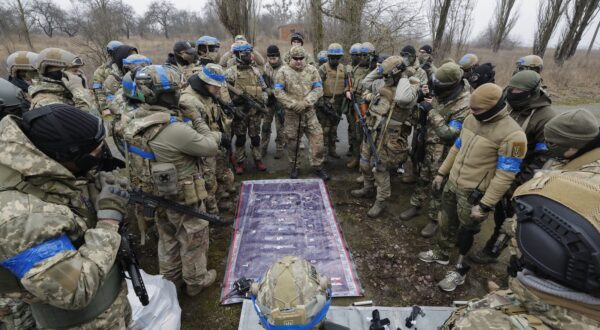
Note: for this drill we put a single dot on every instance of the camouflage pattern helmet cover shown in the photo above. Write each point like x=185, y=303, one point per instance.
x=241, y=46
x=21, y=60
x=468, y=61
x=212, y=74
x=531, y=62
x=356, y=49
x=390, y=65
x=368, y=48
x=322, y=56
x=135, y=61
x=292, y=293
x=153, y=80
x=58, y=58
x=298, y=51
x=335, y=49
x=240, y=37
x=208, y=41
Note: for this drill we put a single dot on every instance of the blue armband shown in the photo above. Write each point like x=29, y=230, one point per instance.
x=97, y=85
x=278, y=86
x=317, y=84
x=455, y=124
x=458, y=143
x=509, y=164
x=20, y=264
x=110, y=97
x=540, y=147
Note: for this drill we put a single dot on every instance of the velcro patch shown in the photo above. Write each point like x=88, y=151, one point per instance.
x=517, y=149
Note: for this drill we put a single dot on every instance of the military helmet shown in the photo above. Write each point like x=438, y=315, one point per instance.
x=212, y=74
x=356, y=49
x=10, y=99
x=297, y=51
x=208, y=41
x=136, y=60
x=239, y=37
x=335, y=49
x=448, y=73
x=322, y=56
x=468, y=61
x=368, y=48
x=530, y=62
x=391, y=66
x=151, y=81
x=21, y=60
x=291, y=292
x=526, y=80
x=112, y=45
x=56, y=57
x=242, y=46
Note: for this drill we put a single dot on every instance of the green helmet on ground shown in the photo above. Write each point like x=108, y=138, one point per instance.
x=335, y=49
x=56, y=57
x=292, y=293
x=212, y=74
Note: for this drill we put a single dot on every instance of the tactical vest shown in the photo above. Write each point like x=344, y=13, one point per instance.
x=48, y=316
x=247, y=79
x=334, y=81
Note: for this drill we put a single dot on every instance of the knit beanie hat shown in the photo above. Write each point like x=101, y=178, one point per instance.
x=572, y=128
x=486, y=96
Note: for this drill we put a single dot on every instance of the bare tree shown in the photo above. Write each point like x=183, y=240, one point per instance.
x=593, y=39
x=549, y=13
x=316, y=25
x=235, y=15
x=579, y=16
x=162, y=12
x=456, y=28
x=47, y=15
x=24, y=19
x=69, y=25
x=438, y=13
x=503, y=22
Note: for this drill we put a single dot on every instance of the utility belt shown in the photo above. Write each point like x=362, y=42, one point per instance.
x=48, y=316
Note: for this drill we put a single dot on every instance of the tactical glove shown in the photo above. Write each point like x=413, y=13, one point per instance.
x=436, y=185
x=225, y=142
x=508, y=227
x=300, y=106
x=480, y=212
x=72, y=81
x=113, y=197
x=409, y=72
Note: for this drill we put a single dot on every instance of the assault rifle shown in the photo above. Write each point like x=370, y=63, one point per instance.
x=248, y=100
x=129, y=263
x=151, y=202
x=377, y=163
x=420, y=136
x=326, y=106
x=273, y=103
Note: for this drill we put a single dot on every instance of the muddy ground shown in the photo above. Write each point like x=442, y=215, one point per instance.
x=384, y=252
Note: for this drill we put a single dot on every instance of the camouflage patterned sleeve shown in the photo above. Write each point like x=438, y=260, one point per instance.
x=448, y=130
x=98, y=87
x=279, y=89
x=316, y=91
x=190, y=110
x=323, y=71
x=84, y=100
x=230, y=75
x=510, y=156
x=71, y=278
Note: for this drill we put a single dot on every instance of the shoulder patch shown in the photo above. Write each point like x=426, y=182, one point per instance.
x=517, y=149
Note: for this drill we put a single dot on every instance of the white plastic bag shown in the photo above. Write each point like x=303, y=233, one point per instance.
x=163, y=311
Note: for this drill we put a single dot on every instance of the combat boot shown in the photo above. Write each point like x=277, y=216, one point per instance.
x=239, y=168
x=363, y=192
x=352, y=163
x=321, y=173
x=376, y=209
x=412, y=212
x=278, y=153
x=429, y=230
x=209, y=279
x=260, y=165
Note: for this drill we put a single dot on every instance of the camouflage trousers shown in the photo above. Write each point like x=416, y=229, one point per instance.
x=224, y=174
x=209, y=173
x=250, y=126
x=182, y=246
x=309, y=126
x=265, y=137
x=355, y=132
x=329, y=124
x=16, y=314
x=456, y=215
x=394, y=149
x=434, y=157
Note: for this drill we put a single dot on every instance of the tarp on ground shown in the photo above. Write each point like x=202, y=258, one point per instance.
x=277, y=218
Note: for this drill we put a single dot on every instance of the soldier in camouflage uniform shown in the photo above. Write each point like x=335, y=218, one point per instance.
x=67, y=222
x=276, y=111
x=100, y=75
x=330, y=106
x=161, y=146
x=208, y=49
x=21, y=69
x=245, y=77
x=531, y=108
x=426, y=60
x=61, y=81
x=486, y=157
x=445, y=115
x=389, y=110
x=468, y=63
x=357, y=73
x=549, y=293
x=297, y=39
x=185, y=58
x=200, y=103
x=298, y=87
x=529, y=62
x=228, y=59
x=112, y=83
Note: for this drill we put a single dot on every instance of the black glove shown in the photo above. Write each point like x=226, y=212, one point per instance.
x=225, y=142
x=425, y=106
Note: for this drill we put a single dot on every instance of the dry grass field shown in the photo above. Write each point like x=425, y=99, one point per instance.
x=576, y=82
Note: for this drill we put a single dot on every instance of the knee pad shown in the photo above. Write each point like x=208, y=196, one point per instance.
x=255, y=141
x=240, y=140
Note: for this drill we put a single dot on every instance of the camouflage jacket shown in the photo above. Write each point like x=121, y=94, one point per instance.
x=100, y=75
x=293, y=85
x=249, y=80
x=228, y=59
x=206, y=115
x=358, y=73
x=48, y=91
x=112, y=84
x=445, y=119
x=70, y=277
x=310, y=60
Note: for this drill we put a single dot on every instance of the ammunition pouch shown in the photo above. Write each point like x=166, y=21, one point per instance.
x=164, y=176
x=194, y=189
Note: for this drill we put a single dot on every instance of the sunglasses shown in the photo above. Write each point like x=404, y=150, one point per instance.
x=297, y=58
